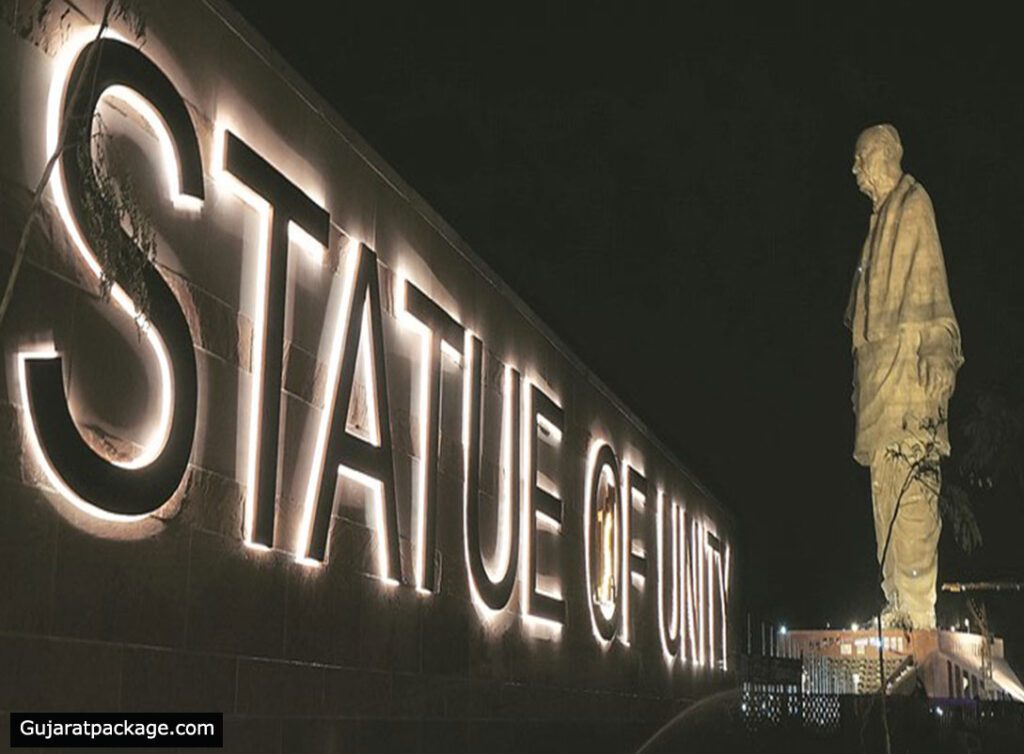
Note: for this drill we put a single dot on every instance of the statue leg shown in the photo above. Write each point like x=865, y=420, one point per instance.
x=884, y=491
x=911, y=564
x=917, y=551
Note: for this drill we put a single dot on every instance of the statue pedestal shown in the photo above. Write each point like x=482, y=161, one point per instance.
x=944, y=663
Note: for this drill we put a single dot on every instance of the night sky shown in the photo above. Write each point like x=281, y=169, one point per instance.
x=672, y=194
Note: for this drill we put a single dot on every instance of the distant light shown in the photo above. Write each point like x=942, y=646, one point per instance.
x=783, y=630
x=967, y=625
x=939, y=712
x=855, y=627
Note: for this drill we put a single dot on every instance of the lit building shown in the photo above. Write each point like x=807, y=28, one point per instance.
x=945, y=664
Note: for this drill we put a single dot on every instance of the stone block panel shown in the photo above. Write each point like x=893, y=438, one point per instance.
x=213, y=503
x=124, y=590
x=236, y=597
x=216, y=326
x=59, y=675
x=279, y=689
x=157, y=680
x=253, y=735
x=28, y=545
x=304, y=376
x=357, y=693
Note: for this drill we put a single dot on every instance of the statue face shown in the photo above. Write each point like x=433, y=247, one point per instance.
x=870, y=164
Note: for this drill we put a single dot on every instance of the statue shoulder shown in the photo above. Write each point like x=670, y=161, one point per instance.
x=918, y=203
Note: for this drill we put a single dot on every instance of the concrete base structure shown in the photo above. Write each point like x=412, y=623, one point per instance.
x=945, y=664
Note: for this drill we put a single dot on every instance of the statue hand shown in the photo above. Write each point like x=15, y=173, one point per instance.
x=936, y=380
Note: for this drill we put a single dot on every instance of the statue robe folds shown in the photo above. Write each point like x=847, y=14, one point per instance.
x=902, y=319
x=900, y=314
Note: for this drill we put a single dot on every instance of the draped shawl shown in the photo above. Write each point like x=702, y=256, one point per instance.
x=900, y=313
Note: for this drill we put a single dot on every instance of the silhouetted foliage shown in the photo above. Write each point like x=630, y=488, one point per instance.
x=111, y=207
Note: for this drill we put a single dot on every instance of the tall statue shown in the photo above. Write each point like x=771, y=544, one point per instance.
x=906, y=353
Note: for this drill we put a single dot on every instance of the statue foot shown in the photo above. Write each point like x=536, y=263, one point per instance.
x=893, y=617
x=923, y=621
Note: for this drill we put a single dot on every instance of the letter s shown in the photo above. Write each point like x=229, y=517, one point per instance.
x=121, y=491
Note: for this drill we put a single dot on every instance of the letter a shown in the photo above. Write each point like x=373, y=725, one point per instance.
x=362, y=460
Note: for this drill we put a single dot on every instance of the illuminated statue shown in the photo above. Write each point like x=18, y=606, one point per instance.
x=906, y=352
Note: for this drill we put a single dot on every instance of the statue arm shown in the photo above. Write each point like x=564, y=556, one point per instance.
x=938, y=358
x=939, y=351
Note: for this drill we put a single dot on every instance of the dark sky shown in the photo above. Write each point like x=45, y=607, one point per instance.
x=672, y=194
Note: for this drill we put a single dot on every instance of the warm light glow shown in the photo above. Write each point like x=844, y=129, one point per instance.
x=595, y=448
x=628, y=493
x=710, y=608
x=373, y=485
x=694, y=545
x=483, y=609
x=551, y=586
x=526, y=516
x=724, y=587
x=606, y=568
x=306, y=242
x=698, y=550
x=172, y=170
x=370, y=386
x=419, y=512
x=451, y=352
x=690, y=556
x=297, y=236
x=262, y=207
x=426, y=356
x=36, y=448
x=503, y=552
x=330, y=399
x=588, y=495
x=627, y=538
x=542, y=627
x=550, y=429
x=668, y=516
x=156, y=438
x=503, y=549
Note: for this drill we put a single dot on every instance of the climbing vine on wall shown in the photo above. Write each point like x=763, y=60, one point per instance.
x=120, y=232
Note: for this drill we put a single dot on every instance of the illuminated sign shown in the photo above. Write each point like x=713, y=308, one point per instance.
x=641, y=541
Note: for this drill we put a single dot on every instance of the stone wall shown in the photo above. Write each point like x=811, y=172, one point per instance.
x=175, y=613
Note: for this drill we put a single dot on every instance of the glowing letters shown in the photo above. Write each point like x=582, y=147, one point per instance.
x=669, y=525
x=117, y=491
x=494, y=594
x=367, y=461
x=601, y=557
x=678, y=559
x=441, y=335
x=634, y=560
x=281, y=205
x=542, y=501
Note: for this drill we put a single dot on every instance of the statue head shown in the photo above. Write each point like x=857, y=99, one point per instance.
x=876, y=161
